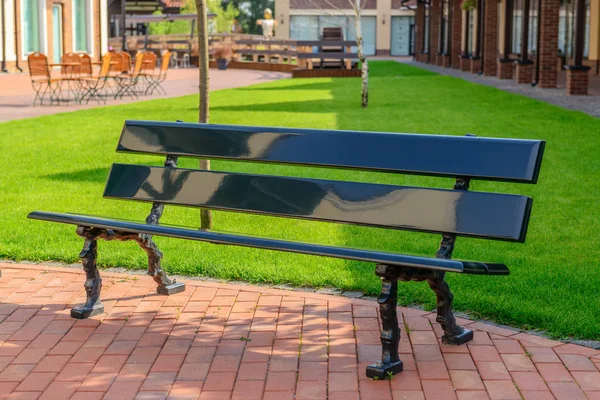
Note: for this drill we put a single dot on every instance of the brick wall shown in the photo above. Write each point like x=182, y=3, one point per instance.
x=548, y=43
x=490, y=37
x=455, y=41
x=577, y=81
x=524, y=72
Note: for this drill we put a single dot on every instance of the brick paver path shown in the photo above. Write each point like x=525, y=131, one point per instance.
x=16, y=94
x=220, y=341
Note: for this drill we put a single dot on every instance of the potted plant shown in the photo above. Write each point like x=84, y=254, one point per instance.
x=223, y=55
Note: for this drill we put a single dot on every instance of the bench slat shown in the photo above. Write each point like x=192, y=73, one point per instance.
x=513, y=160
x=484, y=215
x=237, y=239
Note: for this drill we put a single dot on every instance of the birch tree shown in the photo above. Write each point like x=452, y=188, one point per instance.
x=203, y=115
x=364, y=66
x=357, y=7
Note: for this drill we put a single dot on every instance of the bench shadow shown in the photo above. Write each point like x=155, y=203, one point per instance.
x=96, y=175
x=325, y=106
x=84, y=175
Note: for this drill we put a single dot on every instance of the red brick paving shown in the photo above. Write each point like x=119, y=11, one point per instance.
x=17, y=95
x=219, y=341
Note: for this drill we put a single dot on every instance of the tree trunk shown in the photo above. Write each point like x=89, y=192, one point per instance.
x=364, y=94
x=203, y=117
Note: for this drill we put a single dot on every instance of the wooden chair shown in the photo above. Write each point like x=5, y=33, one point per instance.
x=155, y=81
x=70, y=73
x=85, y=70
x=41, y=81
x=128, y=82
x=93, y=86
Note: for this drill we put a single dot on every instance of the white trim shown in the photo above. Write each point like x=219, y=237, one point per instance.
x=103, y=26
x=43, y=16
x=402, y=13
x=89, y=5
x=344, y=13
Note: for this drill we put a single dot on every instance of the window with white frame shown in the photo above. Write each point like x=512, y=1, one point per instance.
x=32, y=26
x=309, y=27
x=82, y=26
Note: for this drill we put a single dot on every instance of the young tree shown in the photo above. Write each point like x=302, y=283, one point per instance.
x=203, y=116
x=364, y=93
x=357, y=7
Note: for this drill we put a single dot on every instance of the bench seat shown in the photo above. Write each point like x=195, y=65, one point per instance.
x=237, y=239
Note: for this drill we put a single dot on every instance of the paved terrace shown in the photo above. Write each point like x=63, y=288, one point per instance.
x=223, y=341
x=16, y=93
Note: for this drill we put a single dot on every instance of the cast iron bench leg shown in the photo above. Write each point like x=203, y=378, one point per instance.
x=93, y=282
x=390, y=363
x=165, y=285
x=453, y=333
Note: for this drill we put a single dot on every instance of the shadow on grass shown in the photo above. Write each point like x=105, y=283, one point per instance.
x=308, y=86
x=94, y=175
x=97, y=175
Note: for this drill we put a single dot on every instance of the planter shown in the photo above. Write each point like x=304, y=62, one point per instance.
x=222, y=64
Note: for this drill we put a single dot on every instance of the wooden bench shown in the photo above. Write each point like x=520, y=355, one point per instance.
x=329, y=53
x=447, y=212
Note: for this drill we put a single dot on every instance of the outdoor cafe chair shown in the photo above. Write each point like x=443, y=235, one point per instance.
x=129, y=82
x=155, y=80
x=70, y=71
x=41, y=81
x=85, y=70
x=93, y=87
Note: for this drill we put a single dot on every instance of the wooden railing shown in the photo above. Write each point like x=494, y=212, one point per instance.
x=254, y=48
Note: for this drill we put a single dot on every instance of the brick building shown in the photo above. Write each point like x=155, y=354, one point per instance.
x=52, y=27
x=387, y=25
x=530, y=41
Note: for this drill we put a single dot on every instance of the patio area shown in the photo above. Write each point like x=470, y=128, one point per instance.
x=17, y=95
x=226, y=341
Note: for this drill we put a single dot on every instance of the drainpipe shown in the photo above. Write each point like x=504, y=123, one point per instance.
x=3, y=37
x=16, y=38
x=537, y=46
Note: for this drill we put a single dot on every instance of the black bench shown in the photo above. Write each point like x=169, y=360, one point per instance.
x=449, y=212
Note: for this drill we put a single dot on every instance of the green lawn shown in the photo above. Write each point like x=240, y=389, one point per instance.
x=60, y=163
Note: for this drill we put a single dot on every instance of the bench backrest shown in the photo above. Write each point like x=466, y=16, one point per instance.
x=476, y=214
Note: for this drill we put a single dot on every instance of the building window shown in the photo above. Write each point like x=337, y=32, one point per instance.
x=444, y=31
x=470, y=26
x=566, y=29
x=33, y=31
x=532, y=28
x=82, y=26
x=309, y=27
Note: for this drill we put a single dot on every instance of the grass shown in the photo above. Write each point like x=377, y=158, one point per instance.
x=60, y=163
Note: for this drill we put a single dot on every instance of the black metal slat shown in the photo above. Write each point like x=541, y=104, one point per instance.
x=216, y=237
x=511, y=160
x=483, y=215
